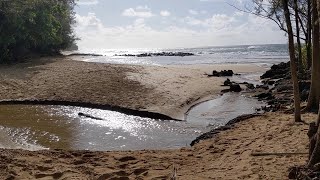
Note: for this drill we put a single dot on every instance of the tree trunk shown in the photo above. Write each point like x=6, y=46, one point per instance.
x=293, y=67
x=314, y=129
x=314, y=139
x=318, y=118
x=314, y=94
x=296, y=15
x=309, y=30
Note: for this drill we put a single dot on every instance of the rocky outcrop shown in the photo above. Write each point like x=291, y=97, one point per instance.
x=278, y=71
x=221, y=73
x=84, y=54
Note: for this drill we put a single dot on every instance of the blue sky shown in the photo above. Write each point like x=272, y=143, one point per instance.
x=169, y=24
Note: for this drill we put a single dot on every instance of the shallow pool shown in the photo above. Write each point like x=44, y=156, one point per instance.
x=35, y=127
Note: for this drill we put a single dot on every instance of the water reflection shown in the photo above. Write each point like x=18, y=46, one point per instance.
x=31, y=126
x=219, y=111
x=36, y=127
x=62, y=127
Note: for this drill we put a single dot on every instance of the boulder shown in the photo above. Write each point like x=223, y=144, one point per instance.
x=250, y=86
x=234, y=87
x=221, y=73
x=277, y=71
x=215, y=73
x=227, y=82
x=226, y=73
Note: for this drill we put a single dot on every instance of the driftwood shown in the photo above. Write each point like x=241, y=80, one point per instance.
x=89, y=116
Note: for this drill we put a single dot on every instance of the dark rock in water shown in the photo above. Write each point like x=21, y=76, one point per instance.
x=181, y=54
x=235, y=87
x=265, y=87
x=226, y=73
x=250, y=86
x=227, y=82
x=221, y=73
x=215, y=73
x=84, y=54
x=144, y=55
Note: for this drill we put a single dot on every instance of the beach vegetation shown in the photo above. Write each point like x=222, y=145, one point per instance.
x=300, y=21
x=35, y=26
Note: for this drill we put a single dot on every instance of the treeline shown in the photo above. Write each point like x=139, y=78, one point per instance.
x=300, y=20
x=35, y=26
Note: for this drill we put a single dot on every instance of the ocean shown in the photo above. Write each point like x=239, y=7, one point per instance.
x=259, y=54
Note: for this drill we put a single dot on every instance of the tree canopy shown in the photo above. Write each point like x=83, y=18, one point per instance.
x=35, y=26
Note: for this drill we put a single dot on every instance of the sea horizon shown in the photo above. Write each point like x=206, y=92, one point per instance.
x=237, y=54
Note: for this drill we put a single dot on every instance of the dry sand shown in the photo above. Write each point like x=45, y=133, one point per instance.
x=160, y=89
x=167, y=90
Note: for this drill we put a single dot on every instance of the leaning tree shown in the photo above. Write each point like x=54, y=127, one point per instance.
x=293, y=66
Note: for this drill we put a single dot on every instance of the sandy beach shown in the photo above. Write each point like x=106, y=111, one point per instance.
x=226, y=156
x=169, y=90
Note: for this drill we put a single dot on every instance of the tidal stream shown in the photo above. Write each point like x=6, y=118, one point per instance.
x=35, y=127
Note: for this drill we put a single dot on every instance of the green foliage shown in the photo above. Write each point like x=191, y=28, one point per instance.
x=40, y=26
x=304, y=56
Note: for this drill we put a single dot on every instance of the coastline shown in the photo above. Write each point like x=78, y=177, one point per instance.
x=156, y=90
x=225, y=156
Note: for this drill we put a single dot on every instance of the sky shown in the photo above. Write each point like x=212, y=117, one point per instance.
x=118, y=24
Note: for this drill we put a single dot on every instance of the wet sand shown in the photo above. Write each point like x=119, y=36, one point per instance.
x=167, y=90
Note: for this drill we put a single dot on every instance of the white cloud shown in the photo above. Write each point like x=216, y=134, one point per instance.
x=88, y=2
x=217, y=22
x=193, y=12
x=89, y=21
x=220, y=29
x=139, y=11
x=165, y=13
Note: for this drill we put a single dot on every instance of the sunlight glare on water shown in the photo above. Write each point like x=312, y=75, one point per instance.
x=36, y=127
